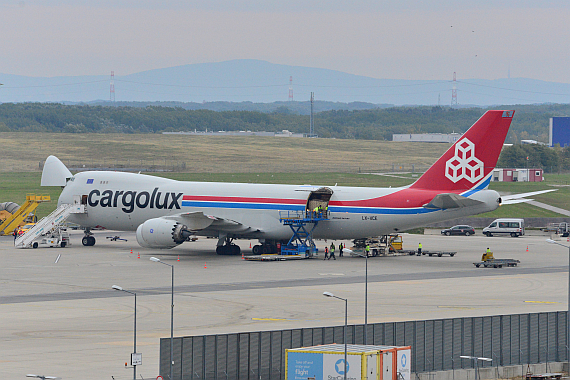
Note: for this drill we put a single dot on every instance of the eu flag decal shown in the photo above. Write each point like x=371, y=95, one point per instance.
x=90, y=181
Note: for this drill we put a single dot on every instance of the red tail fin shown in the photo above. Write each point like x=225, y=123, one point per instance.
x=470, y=161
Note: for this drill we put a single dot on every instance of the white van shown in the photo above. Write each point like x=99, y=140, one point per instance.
x=504, y=226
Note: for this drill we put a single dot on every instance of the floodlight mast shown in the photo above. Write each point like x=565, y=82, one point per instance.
x=568, y=306
x=157, y=260
x=329, y=294
x=117, y=287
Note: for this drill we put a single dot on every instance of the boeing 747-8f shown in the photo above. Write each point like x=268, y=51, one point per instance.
x=165, y=212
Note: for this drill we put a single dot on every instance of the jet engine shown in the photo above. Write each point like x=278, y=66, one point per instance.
x=161, y=233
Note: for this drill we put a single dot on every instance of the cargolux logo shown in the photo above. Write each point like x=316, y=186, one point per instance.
x=464, y=164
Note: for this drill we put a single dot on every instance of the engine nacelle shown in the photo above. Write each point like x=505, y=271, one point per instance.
x=161, y=233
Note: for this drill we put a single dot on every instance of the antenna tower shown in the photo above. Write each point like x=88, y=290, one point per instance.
x=312, y=123
x=454, y=91
x=291, y=88
x=112, y=89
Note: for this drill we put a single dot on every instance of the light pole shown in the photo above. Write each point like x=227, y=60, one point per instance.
x=171, y=313
x=568, y=306
x=328, y=294
x=117, y=287
x=365, y=296
x=476, y=361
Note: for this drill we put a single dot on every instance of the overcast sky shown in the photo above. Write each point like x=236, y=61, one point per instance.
x=397, y=39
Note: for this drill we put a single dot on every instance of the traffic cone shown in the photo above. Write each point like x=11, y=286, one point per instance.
x=139, y=256
x=527, y=248
x=178, y=258
x=205, y=267
x=242, y=256
x=131, y=251
x=249, y=244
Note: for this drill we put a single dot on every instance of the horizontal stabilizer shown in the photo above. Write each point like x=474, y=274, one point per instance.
x=518, y=198
x=523, y=195
x=450, y=200
x=515, y=201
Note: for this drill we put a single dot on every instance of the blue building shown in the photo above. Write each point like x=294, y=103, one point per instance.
x=559, y=131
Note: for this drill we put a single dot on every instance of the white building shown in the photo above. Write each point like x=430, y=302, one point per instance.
x=450, y=138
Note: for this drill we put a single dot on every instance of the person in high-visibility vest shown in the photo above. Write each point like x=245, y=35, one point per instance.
x=332, y=252
x=340, y=248
x=367, y=250
x=419, y=249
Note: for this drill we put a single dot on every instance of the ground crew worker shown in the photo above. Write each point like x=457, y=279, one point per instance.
x=316, y=211
x=15, y=233
x=332, y=252
x=340, y=248
x=367, y=249
x=326, y=210
x=420, y=249
x=486, y=255
x=326, y=253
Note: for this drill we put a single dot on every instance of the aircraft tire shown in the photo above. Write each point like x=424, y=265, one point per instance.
x=85, y=241
x=91, y=241
x=236, y=250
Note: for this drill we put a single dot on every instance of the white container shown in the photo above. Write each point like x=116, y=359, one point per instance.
x=326, y=362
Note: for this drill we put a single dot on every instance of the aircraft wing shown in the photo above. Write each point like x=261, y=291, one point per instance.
x=450, y=200
x=198, y=221
x=519, y=198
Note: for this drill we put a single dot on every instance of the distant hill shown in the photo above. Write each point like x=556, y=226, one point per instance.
x=240, y=83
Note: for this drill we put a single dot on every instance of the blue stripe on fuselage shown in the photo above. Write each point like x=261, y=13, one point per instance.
x=285, y=207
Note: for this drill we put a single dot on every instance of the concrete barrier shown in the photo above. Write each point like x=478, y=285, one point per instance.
x=506, y=372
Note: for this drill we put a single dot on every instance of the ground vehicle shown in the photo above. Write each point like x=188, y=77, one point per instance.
x=505, y=226
x=488, y=261
x=25, y=228
x=459, y=230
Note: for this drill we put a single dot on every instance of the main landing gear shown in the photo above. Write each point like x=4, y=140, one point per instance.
x=88, y=239
x=228, y=248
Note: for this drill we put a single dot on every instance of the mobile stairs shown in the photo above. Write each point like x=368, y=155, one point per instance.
x=26, y=210
x=49, y=231
x=301, y=243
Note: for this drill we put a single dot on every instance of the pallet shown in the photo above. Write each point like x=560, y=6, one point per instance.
x=275, y=257
x=497, y=263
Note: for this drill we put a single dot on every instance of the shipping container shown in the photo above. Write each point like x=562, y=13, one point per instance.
x=326, y=362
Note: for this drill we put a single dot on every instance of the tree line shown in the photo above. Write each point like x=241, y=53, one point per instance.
x=530, y=122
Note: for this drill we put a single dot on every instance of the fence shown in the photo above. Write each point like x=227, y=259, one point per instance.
x=436, y=345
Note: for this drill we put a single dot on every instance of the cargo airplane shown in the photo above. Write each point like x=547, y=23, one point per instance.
x=165, y=213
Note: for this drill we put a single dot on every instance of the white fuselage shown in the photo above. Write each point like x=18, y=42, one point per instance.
x=123, y=201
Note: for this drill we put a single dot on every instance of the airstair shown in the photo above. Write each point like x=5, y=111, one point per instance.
x=27, y=209
x=49, y=225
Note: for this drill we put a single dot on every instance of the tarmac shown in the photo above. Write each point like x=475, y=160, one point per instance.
x=63, y=319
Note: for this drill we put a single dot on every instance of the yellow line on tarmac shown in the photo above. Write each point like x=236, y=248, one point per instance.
x=268, y=319
x=540, y=302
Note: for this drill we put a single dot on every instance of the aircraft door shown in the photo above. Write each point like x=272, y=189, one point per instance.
x=318, y=202
x=387, y=370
